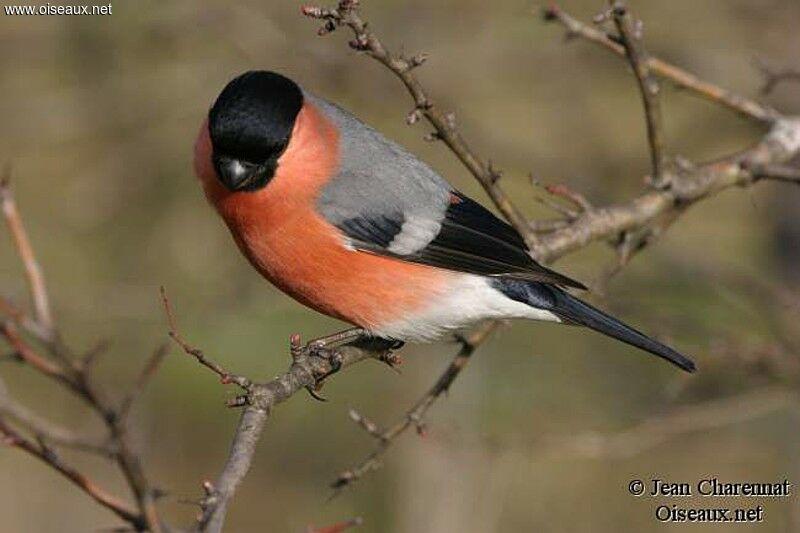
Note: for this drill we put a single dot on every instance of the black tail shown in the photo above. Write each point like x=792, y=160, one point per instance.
x=575, y=311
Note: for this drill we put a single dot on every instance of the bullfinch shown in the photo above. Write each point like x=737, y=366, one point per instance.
x=354, y=226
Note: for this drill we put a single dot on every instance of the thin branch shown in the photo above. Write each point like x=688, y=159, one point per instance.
x=225, y=376
x=774, y=77
x=676, y=75
x=47, y=431
x=571, y=195
x=33, y=272
x=64, y=370
x=631, y=38
x=86, y=484
x=346, y=14
x=414, y=416
x=21, y=318
x=30, y=356
x=145, y=376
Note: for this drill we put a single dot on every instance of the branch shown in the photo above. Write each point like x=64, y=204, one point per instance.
x=346, y=14
x=90, y=487
x=225, y=376
x=60, y=367
x=145, y=376
x=774, y=77
x=414, y=416
x=306, y=370
x=631, y=38
x=33, y=272
x=36, y=361
x=309, y=367
x=681, y=78
x=44, y=430
x=780, y=145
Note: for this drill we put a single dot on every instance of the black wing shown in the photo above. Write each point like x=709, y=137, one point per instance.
x=470, y=239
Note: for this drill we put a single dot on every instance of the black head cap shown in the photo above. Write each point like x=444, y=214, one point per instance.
x=250, y=125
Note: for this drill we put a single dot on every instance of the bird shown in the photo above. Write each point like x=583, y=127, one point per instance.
x=352, y=225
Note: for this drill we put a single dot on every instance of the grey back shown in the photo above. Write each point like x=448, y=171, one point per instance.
x=377, y=177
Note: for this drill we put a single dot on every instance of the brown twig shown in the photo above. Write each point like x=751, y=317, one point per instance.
x=346, y=14
x=224, y=376
x=148, y=372
x=631, y=38
x=47, y=431
x=571, y=195
x=90, y=487
x=21, y=318
x=774, y=77
x=414, y=416
x=61, y=368
x=40, y=363
x=33, y=271
x=676, y=75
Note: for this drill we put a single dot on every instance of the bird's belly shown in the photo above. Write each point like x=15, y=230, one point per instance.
x=468, y=299
x=305, y=258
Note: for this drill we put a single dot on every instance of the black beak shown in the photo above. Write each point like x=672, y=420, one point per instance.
x=238, y=175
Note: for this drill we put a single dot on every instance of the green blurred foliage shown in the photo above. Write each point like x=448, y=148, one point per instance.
x=99, y=116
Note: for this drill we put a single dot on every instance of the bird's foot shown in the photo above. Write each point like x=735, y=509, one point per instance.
x=324, y=348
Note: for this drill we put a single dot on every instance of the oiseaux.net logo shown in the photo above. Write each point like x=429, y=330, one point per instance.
x=56, y=9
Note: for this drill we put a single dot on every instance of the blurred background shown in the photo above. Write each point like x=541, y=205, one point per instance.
x=99, y=115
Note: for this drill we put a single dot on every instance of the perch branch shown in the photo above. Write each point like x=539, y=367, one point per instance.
x=307, y=368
